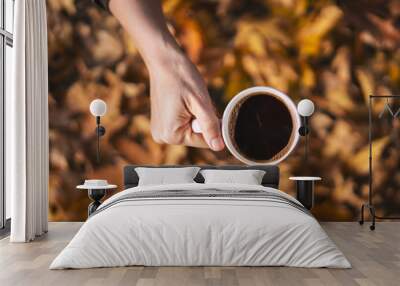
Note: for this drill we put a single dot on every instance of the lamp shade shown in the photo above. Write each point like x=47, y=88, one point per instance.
x=305, y=107
x=98, y=107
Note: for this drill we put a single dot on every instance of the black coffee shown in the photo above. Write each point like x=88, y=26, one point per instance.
x=263, y=128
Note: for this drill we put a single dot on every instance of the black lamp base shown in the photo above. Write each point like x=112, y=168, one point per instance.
x=305, y=193
x=95, y=195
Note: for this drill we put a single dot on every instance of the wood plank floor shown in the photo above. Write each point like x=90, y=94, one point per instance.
x=375, y=257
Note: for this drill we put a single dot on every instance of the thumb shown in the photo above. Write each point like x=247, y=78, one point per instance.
x=209, y=124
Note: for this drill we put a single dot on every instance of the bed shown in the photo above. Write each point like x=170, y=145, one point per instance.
x=198, y=224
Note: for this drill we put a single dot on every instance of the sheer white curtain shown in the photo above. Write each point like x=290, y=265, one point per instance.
x=27, y=124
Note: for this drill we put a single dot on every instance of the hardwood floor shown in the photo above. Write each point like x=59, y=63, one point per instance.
x=375, y=257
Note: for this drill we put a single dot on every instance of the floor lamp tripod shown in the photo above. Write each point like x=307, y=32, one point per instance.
x=370, y=205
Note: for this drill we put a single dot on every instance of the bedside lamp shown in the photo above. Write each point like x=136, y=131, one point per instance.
x=98, y=108
x=305, y=108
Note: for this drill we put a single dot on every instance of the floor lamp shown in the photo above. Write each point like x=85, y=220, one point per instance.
x=370, y=205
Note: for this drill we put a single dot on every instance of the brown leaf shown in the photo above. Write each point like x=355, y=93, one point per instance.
x=107, y=48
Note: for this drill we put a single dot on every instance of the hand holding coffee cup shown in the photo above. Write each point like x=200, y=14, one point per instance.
x=259, y=126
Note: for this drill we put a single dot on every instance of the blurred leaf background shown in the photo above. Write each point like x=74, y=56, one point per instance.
x=335, y=53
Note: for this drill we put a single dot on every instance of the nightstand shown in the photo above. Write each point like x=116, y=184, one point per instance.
x=96, y=191
x=305, y=190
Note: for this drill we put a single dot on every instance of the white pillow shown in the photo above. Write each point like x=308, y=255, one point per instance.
x=163, y=176
x=248, y=177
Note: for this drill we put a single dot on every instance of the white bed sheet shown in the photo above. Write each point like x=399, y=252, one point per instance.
x=200, y=231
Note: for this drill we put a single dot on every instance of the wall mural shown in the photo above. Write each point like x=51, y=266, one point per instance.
x=335, y=53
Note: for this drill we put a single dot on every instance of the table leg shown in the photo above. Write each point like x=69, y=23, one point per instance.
x=305, y=193
x=95, y=196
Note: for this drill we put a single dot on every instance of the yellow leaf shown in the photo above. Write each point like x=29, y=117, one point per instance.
x=394, y=72
x=311, y=34
x=250, y=65
x=252, y=36
x=175, y=154
x=191, y=37
x=170, y=5
x=237, y=81
x=359, y=162
x=307, y=76
x=366, y=82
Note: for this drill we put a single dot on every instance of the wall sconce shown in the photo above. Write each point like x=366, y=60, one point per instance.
x=305, y=108
x=98, y=108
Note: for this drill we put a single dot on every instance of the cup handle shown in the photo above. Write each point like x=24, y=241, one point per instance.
x=196, y=126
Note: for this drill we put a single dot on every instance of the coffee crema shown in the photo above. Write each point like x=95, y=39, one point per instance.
x=261, y=127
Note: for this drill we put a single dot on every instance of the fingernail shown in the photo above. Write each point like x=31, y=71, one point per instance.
x=217, y=144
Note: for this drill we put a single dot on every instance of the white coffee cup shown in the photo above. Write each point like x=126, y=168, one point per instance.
x=232, y=115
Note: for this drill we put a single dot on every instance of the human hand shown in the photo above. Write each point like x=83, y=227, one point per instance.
x=178, y=96
x=178, y=93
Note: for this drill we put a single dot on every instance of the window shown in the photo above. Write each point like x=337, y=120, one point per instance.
x=6, y=44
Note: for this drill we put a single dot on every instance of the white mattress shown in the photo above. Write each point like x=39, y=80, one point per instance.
x=189, y=231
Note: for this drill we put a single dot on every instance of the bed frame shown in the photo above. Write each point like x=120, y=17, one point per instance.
x=271, y=177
